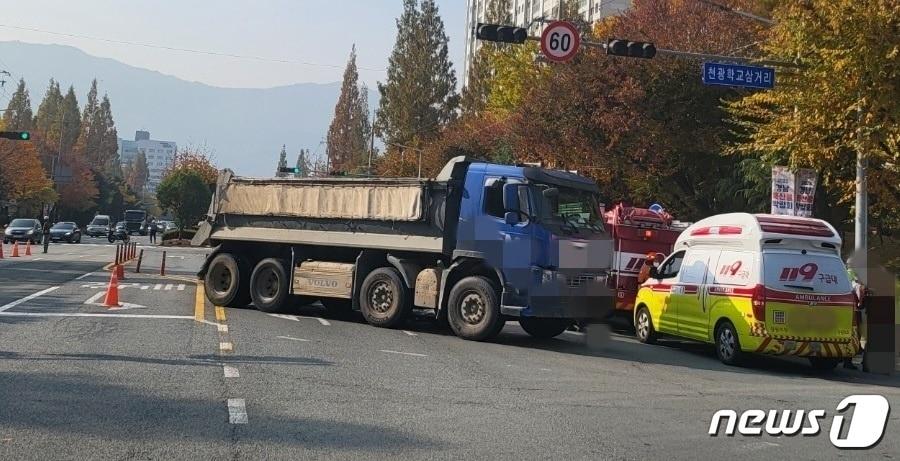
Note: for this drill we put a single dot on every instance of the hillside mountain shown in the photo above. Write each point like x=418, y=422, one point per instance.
x=245, y=127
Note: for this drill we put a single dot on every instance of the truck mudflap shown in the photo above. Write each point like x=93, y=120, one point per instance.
x=586, y=300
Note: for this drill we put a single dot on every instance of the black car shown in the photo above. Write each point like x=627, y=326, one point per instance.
x=23, y=230
x=99, y=226
x=65, y=232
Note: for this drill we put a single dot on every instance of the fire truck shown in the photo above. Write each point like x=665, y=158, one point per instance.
x=636, y=233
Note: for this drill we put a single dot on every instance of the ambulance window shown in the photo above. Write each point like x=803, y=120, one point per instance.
x=694, y=267
x=672, y=265
x=805, y=273
x=736, y=268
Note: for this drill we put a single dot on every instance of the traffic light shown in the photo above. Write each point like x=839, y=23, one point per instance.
x=500, y=33
x=289, y=169
x=15, y=135
x=619, y=47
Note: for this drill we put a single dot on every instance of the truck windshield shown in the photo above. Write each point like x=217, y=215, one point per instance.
x=574, y=210
x=135, y=215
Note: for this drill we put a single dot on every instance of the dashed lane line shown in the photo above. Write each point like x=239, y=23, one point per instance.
x=26, y=299
x=413, y=354
x=323, y=321
x=237, y=411
x=293, y=339
x=200, y=304
x=230, y=372
x=409, y=333
x=84, y=276
x=94, y=298
x=220, y=314
x=226, y=347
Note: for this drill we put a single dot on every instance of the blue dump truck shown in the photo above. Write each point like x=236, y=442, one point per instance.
x=476, y=246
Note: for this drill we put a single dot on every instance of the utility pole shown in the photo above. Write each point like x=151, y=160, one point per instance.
x=861, y=228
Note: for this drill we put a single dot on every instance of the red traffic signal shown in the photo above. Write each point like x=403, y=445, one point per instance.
x=619, y=47
x=15, y=135
x=501, y=33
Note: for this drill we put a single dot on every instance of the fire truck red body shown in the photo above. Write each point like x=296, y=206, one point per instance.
x=637, y=232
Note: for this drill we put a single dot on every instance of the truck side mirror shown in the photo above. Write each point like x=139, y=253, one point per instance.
x=511, y=197
x=511, y=217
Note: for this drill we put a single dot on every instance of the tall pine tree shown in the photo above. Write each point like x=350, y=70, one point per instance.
x=70, y=123
x=303, y=164
x=282, y=162
x=18, y=115
x=419, y=95
x=108, y=155
x=349, y=131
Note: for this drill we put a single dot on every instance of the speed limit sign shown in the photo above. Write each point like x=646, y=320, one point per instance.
x=560, y=41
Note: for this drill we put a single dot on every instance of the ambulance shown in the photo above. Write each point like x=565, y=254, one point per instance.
x=754, y=284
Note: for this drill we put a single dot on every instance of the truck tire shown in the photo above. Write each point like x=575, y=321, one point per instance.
x=227, y=282
x=544, y=328
x=270, y=286
x=473, y=310
x=383, y=298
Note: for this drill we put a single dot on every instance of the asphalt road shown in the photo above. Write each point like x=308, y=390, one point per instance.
x=166, y=377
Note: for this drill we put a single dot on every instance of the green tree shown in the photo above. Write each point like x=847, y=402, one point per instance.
x=186, y=195
x=139, y=173
x=842, y=100
x=303, y=164
x=18, y=115
x=70, y=122
x=349, y=131
x=282, y=162
x=419, y=95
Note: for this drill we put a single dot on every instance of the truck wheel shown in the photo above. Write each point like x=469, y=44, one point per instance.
x=269, y=286
x=643, y=326
x=473, y=310
x=544, y=328
x=383, y=298
x=226, y=282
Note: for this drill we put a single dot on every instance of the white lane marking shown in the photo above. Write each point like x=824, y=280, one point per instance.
x=83, y=276
x=157, y=286
x=169, y=287
x=180, y=287
x=323, y=321
x=403, y=353
x=85, y=314
x=95, y=297
x=26, y=299
x=576, y=333
x=226, y=347
x=37, y=259
x=286, y=317
x=222, y=328
x=410, y=333
x=293, y=339
x=237, y=411
x=144, y=287
x=230, y=372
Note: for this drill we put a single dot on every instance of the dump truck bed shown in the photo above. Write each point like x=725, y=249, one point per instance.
x=391, y=214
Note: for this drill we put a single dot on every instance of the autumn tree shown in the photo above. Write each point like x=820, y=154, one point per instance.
x=419, y=95
x=198, y=159
x=18, y=115
x=186, y=194
x=348, y=134
x=282, y=163
x=841, y=101
x=138, y=173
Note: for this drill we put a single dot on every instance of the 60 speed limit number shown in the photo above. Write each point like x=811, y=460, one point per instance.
x=560, y=41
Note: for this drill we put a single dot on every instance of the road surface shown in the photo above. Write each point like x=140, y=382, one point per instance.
x=169, y=376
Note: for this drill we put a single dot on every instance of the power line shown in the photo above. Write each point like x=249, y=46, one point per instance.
x=189, y=50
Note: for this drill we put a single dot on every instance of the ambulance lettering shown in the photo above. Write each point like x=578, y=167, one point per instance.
x=807, y=271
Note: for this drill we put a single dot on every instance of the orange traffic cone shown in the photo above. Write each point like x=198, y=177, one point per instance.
x=120, y=272
x=112, y=292
x=28, y=248
x=15, y=252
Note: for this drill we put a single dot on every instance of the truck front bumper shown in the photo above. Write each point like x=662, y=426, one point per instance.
x=569, y=298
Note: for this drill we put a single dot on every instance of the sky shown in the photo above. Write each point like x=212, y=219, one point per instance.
x=314, y=36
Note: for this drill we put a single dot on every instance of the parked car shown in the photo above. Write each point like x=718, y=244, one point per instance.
x=23, y=229
x=66, y=231
x=99, y=226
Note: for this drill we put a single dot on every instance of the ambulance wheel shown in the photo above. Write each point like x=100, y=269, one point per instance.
x=728, y=347
x=227, y=281
x=643, y=326
x=269, y=286
x=823, y=363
